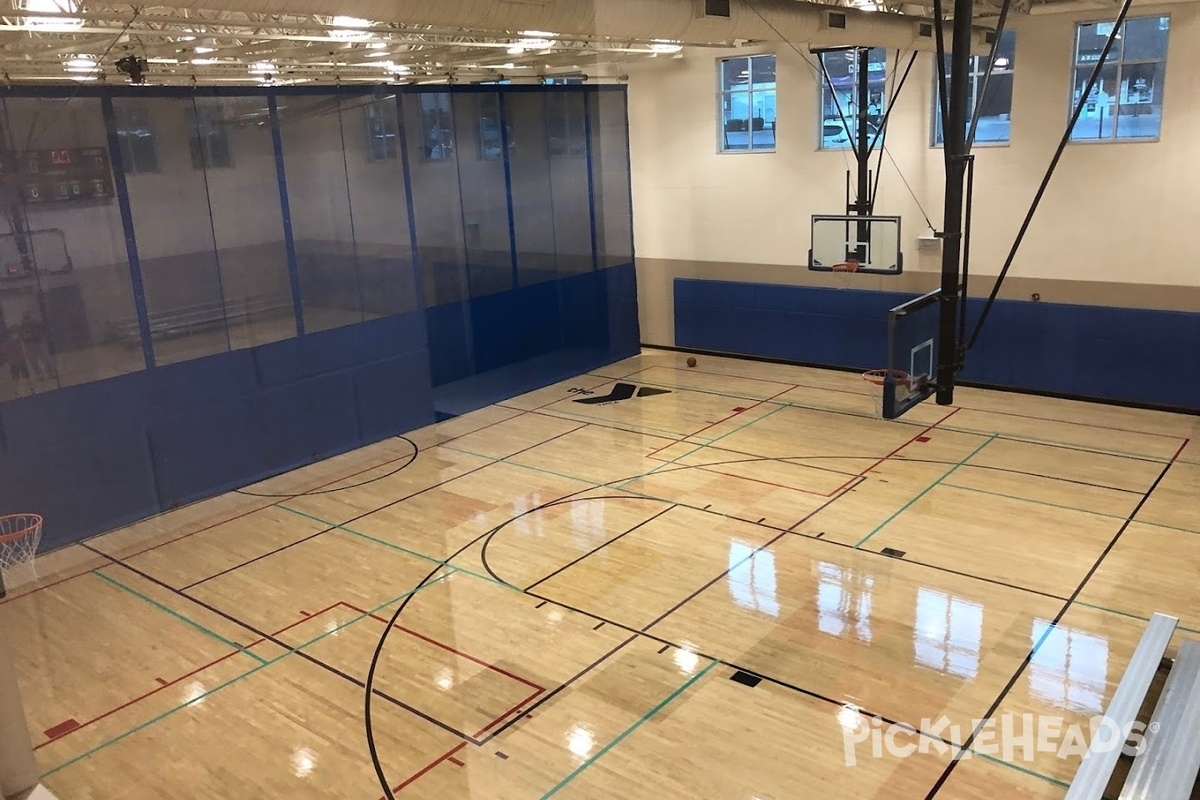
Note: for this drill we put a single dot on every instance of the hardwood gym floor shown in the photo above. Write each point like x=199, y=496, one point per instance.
x=690, y=593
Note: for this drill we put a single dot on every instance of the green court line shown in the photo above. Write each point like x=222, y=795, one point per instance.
x=925, y=491
x=177, y=615
x=625, y=733
x=1018, y=768
x=571, y=417
x=1072, y=508
x=1035, y=502
x=233, y=680
x=393, y=546
x=1128, y=614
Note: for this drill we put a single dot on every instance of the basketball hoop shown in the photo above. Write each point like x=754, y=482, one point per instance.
x=20, y=535
x=846, y=266
x=879, y=377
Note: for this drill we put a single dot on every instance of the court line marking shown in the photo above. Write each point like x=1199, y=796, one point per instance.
x=1018, y=768
x=1054, y=623
x=625, y=733
x=172, y=612
x=924, y=492
x=231, y=681
x=599, y=547
x=1128, y=614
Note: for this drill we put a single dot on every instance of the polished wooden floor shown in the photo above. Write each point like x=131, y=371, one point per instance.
x=569, y=588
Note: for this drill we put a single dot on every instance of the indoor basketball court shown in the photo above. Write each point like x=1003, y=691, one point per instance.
x=347, y=451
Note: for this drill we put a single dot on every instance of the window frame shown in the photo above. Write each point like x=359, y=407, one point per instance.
x=979, y=67
x=750, y=92
x=381, y=129
x=127, y=119
x=823, y=86
x=1120, y=63
x=204, y=128
x=448, y=151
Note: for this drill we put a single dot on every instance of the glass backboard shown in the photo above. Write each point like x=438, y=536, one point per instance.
x=856, y=244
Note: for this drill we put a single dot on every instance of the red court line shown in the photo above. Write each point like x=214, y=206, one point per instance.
x=443, y=757
x=448, y=648
x=1179, y=452
x=168, y=684
x=1067, y=422
x=746, y=478
x=750, y=407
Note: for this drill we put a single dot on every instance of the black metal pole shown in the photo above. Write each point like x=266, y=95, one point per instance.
x=864, y=155
x=960, y=344
x=955, y=135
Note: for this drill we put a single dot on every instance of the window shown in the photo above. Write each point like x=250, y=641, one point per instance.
x=491, y=137
x=747, y=111
x=842, y=67
x=209, y=137
x=995, y=114
x=1126, y=101
x=381, y=133
x=565, y=135
x=139, y=154
x=437, y=127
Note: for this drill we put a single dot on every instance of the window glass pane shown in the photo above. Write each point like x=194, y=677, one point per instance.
x=1140, y=111
x=136, y=136
x=841, y=100
x=491, y=139
x=735, y=116
x=762, y=70
x=382, y=241
x=175, y=238
x=66, y=291
x=995, y=118
x=1145, y=39
x=1090, y=43
x=311, y=131
x=437, y=208
x=247, y=225
x=436, y=126
x=382, y=135
x=735, y=73
x=1097, y=121
x=209, y=141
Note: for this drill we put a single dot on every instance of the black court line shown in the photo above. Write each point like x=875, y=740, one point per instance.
x=951, y=428
x=602, y=545
x=675, y=437
x=491, y=463
x=411, y=458
x=667, y=644
x=949, y=770
x=279, y=642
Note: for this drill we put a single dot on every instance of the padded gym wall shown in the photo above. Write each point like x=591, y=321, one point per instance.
x=212, y=286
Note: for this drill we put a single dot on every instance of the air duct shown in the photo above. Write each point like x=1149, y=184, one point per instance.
x=686, y=21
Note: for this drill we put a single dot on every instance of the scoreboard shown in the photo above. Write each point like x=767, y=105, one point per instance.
x=59, y=176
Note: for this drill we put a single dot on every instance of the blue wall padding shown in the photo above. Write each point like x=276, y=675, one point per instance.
x=1127, y=355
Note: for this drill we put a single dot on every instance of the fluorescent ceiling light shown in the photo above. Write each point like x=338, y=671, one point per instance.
x=205, y=49
x=51, y=7
x=80, y=64
x=262, y=66
x=536, y=40
x=349, y=27
x=396, y=69
x=516, y=50
x=202, y=62
x=665, y=46
x=377, y=45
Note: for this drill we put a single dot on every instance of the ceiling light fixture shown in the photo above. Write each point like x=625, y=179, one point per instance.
x=51, y=7
x=536, y=40
x=665, y=46
x=80, y=64
x=349, y=28
x=259, y=67
x=205, y=49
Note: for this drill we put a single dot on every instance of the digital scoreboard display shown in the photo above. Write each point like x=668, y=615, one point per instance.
x=60, y=176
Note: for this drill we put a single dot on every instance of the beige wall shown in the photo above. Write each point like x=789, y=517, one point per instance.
x=1116, y=226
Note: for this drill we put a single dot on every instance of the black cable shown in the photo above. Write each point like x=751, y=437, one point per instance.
x=1062, y=145
x=910, y=189
x=987, y=75
x=99, y=62
x=882, y=135
x=940, y=58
